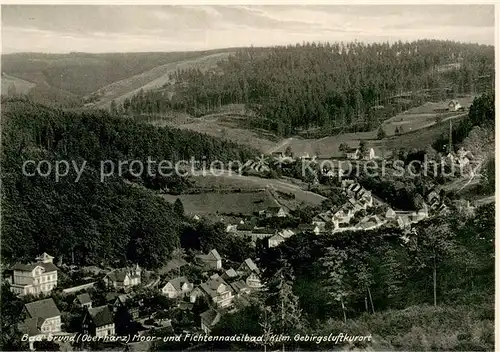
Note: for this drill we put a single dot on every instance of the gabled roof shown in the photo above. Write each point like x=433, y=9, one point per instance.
x=277, y=237
x=215, y=254
x=231, y=273
x=44, y=257
x=211, y=286
x=101, y=315
x=321, y=217
x=250, y=265
x=368, y=224
x=118, y=275
x=123, y=298
x=84, y=298
x=245, y=227
x=48, y=267
x=239, y=285
x=263, y=231
x=183, y=305
x=45, y=308
x=286, y=233
x=32, y=326
x=178, y=282
x=210, y=316
x=111, y=296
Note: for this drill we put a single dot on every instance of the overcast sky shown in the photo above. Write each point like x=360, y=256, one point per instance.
x=65, y=28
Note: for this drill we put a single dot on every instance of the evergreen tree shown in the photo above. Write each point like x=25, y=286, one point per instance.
x=381, y=133
x=179, y=207
x=335, y=273
x=286, y=313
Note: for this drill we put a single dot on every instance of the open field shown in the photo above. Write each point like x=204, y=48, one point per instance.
x=419, y=125
x=224, y=203
x=20, y=85
x=225, y=125
x=328, y=147
x=421, y=116
x=420, y=129
x=248, y=182
x=259, y=193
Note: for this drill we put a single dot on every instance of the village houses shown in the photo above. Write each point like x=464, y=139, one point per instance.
x=177, y=287
x=251, y=273
x=123, y=278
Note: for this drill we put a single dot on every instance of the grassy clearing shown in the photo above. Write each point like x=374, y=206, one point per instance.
x=154, y=78
x=21, y=86
x=421, y=116
x=224, y=203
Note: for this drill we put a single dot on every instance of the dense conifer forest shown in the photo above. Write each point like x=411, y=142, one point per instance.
x=344, y=86
x=90, y=221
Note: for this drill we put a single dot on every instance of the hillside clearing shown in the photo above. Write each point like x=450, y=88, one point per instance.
x=21, y=86
x=154, y=78
x=224, y=203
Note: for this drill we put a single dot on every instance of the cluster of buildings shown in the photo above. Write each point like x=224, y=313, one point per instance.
x=460, y=159
x=359, y=154
x=42, y=317
x=376, y=214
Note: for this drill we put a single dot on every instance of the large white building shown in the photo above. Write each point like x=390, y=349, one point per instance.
x=36, y=278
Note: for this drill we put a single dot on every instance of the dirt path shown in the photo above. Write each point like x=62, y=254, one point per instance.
x=282, y=144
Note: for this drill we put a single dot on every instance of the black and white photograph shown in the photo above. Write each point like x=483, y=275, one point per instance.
x=248, y=177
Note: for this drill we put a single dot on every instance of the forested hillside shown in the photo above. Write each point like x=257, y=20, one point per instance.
x=351, y=87
x=90, y=221
x=72, y=79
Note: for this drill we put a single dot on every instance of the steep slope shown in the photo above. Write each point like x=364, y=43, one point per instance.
x=154, y=78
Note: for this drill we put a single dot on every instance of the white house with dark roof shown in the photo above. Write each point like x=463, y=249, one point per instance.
x=251, y=273
x=36, y=278
x=279, y=238
x=216, y=289
x=99, y=321
x=212, y=260
x=276, y=211
x=177, y=287
x=124, y=278
x=83, y=300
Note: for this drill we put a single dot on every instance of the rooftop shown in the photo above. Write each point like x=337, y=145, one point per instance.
x=84, y=298
x=101, y=315
x=178, y=282
x=45, y=308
